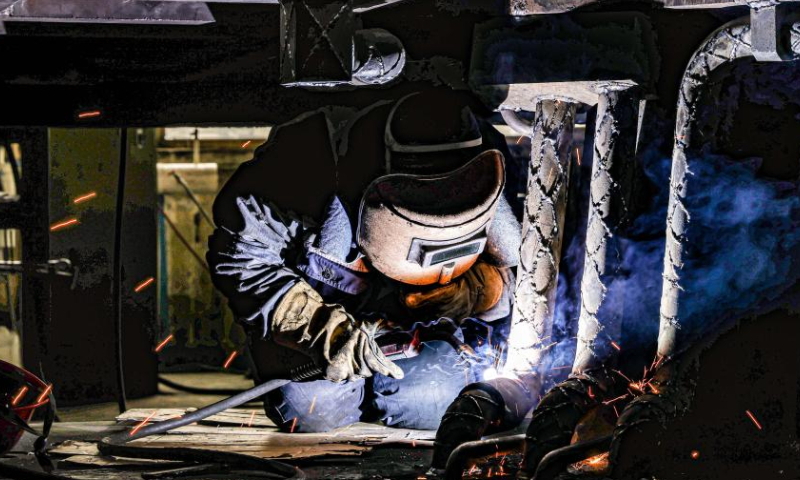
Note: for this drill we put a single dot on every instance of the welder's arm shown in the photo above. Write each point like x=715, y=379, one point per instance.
x=247, y=259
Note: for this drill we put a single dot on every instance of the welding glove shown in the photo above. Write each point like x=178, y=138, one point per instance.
x=343, y=347
x=476, y=291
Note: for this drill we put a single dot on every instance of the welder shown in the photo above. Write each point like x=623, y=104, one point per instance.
x=349, y=224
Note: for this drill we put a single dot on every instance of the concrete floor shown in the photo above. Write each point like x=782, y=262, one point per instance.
x=166, y=398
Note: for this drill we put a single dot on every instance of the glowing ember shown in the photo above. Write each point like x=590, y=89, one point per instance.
x=753, y=418
x=44, y=394
x=252, y=416
x=245, y=144
x=230, y=359
x=20, y=395
x=144, y=284
x=164, y=342
x=64, y=224
x=294, y=425
x=596, y=463
x=142, y=423
x=89, y=114
x=695, y=454
x=85, y=197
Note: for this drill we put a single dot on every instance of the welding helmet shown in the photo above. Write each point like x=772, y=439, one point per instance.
x=429, y=218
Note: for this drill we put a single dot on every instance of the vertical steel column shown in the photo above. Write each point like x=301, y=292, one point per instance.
x=542, y=234
x=610, y=189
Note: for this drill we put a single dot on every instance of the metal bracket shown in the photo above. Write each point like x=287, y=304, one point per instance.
x=767, y=32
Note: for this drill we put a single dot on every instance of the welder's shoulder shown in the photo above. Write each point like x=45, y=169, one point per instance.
x=295, y=170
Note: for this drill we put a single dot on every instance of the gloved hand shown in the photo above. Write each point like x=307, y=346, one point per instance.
x=343, y=347
x=474, y=292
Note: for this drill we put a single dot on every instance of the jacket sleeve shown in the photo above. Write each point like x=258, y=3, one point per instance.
x=248, y=259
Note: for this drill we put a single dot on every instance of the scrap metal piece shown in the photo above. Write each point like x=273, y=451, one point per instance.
x=105, y=11
x=610, y=190
x=542, y=235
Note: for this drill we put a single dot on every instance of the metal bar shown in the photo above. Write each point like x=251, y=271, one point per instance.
x=612, y=175
x=542, y=235
x=193, y=197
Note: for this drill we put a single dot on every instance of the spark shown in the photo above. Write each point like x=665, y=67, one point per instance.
x=653, y=388
x=695, y=454
x=85, y=197
x=414, y=443
x=144, y=284
x=294, y=424
x=616, y=345
x=313, y=402
x=503, y=460
x=616, y=412
x=753, y=418
x=622, y=375
x=230, y=359
x=519, y=140
x=609, y=402
x=89, y=114
x=20, y=395
x=164, y=342
x=252, y=416
x=472, y=470
x=591, y=394
x=578, y=154
x=45, y=393
x=245, y=144
x=561, y=367
x=142, y=424
x=64, y=224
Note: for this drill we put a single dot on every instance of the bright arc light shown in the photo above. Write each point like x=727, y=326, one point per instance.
x=490, y=374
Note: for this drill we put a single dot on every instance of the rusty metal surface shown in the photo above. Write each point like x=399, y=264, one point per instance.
x=609, y=209
x=542, y=234
x=105, y=11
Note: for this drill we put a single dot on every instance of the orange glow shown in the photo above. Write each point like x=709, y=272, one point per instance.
x=230, y=359
x=591, y=394
x=695, y=454
x=44, y=394
x=615, y=345
x=753, y=418
x=164, y=342
x=144, y=284
x=142, y=423
x=413, y=443
x=89, y=114
x=85, y=197
x=294, y=424
x=245, y=144
x=20, y=395
x=64, y=224
x=593, y=464
x=578, y=155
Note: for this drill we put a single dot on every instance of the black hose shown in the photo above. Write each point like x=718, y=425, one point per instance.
x=457, y=462
x=116, y=282
x=115, y=444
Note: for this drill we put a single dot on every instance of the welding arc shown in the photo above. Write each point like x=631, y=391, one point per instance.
x=115, y=444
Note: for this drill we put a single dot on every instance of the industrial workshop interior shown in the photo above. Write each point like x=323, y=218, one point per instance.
x=400, y=239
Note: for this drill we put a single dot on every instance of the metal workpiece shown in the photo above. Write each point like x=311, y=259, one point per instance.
x=731, y=42
x=105, y=11
x=611, y=190
x=542, y=235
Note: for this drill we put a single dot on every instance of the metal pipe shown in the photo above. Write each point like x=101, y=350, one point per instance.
x=542, y=235
x=557, y=461
x=116, y=272
x=612, y=175
x=731, y=42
